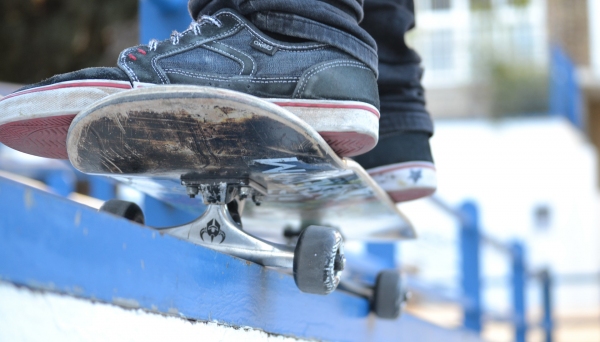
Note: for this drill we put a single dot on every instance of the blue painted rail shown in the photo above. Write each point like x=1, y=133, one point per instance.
x=471, y=241
x=49, y=243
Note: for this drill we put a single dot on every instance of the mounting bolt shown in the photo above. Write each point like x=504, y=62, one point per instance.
x=192, y=190
x=245, y=192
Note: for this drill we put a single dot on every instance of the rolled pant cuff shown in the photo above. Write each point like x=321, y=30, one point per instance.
x=392, y=122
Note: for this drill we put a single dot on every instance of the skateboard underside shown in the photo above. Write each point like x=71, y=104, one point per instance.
x=169, y=141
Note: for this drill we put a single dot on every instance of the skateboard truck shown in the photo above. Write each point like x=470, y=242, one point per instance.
x=217, y=230
x=317, y=260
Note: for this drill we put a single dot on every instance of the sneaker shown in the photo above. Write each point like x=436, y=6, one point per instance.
x=402, y=165
x=326, y=87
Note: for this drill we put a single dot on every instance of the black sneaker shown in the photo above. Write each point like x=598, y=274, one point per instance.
x=330, y=90
x=402, y=165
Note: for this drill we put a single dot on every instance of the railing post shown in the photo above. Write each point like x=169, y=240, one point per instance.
x=519, y=278
x=548, y=324
x=470, y=265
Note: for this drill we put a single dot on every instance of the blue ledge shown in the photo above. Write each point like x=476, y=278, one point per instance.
x=50, y=243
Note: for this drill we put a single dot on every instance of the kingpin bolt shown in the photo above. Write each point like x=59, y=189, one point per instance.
x=192, y=190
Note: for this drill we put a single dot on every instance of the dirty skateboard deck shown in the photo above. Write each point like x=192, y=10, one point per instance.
x=167, y=141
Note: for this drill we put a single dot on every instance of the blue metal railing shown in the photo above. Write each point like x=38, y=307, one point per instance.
x=471, y=242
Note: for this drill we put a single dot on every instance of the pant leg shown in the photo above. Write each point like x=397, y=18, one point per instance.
x=333, y=22
x=400, y=91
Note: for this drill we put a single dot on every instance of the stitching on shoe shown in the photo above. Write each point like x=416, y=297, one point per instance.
x=326, y=66
x=300, y=51
x=162, y=77
x=218, y=78
x=245, y=54
x=128, y=70
x=216, y=49
x=266, y=39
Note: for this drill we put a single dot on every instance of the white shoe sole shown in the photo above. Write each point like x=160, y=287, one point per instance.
x=406, y=181
x=36, y=120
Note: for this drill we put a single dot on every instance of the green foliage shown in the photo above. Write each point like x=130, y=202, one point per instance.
x=519, y=3
x=485, y=5
x=480, y=5
x=40, y=38
x=518, y=90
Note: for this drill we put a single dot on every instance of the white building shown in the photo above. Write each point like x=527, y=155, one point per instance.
x=453, y=36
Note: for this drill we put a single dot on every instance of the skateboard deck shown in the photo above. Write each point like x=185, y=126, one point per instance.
x=169, y=141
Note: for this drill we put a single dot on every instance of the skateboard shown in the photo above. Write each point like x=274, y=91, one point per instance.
x=265, y=176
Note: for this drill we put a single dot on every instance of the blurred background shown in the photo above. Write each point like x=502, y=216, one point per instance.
x=514, y=89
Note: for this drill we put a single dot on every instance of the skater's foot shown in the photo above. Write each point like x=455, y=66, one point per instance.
x=326, y=87
x=402, y=165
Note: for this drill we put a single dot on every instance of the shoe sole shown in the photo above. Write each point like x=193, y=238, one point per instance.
x=53, y=108
x=351, y=128
x=406, y=181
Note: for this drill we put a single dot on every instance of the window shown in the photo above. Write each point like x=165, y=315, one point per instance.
x=522, y=41
x=441, y=50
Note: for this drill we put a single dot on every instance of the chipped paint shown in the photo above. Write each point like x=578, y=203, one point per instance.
x=126, y=303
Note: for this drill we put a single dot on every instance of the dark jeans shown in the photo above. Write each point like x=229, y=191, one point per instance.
x=378, y=41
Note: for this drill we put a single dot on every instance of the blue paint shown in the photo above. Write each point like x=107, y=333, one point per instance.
x=60, y=181
x=470, y=266
x=158, y=18
x=548, y=323
x=383, y=252
x=102, y=188
x=48, y=242
x=565, y=96
x=161, y=214
x=519, y=277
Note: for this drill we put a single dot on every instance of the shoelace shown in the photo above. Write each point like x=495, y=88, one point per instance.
x=194, y=27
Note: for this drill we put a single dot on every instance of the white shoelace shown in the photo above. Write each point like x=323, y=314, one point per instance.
x=194, y=27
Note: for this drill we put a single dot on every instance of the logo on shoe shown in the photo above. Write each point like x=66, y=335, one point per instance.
x=415, y=175
x=264, y=47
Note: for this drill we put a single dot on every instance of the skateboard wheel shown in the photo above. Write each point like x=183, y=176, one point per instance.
x=388, y=295
x=128, y=210
x=318, y=260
